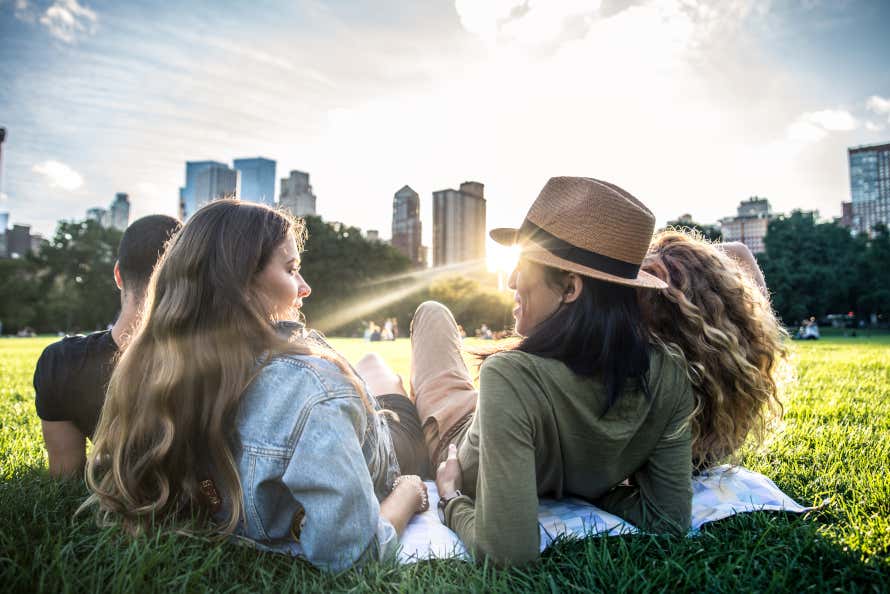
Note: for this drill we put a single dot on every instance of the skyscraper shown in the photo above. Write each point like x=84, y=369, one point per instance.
x=459, y=224
x=257, y=180
x=406, y=225
x=98, y=214
x=214, y=182
x=869, y=186
x=750, y=223
x=296, y=194
x=4, y=223
x=119, y=212
x=18, y=241
x=188, y=204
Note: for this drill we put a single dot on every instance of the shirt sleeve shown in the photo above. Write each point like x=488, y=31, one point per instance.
x=661, y=498
x=329, y=478
x=502, y=523
x=49, y=379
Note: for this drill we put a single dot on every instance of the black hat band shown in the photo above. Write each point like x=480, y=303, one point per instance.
x=567, y=251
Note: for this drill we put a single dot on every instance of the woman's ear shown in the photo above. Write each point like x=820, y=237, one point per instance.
x=573, y=287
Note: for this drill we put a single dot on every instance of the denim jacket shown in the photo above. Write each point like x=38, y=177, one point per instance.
x=314, y=464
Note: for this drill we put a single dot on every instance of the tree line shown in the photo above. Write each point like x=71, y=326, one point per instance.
x=811, y=268
x=816, y=269
x=68, y=286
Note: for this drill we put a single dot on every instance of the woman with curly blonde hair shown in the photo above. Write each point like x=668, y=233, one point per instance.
x=716, y=312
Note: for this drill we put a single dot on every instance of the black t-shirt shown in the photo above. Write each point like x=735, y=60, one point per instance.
x=71, y=378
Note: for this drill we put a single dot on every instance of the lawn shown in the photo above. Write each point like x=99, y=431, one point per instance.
x=834, y=445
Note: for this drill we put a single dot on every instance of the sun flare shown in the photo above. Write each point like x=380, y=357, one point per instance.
x=502, y=258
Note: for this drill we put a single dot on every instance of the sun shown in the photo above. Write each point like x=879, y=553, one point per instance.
x=502, y=258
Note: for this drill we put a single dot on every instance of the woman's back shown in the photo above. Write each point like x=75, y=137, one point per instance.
x=304, y=430
x=540, y=430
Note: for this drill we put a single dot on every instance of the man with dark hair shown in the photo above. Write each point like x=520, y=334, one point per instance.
x=72, y=374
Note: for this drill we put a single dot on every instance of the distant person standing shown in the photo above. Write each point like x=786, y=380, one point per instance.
x=72, y=374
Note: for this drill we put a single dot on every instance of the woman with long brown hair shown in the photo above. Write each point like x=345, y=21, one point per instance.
x=715, y=313
x=216, y=415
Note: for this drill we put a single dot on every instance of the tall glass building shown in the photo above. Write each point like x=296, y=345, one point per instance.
x=257, y=180
x=870, y=186
x=459, y=224
x=188, y=201
x=406, y=226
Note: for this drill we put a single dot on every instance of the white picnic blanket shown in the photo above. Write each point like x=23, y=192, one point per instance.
x=716, y=494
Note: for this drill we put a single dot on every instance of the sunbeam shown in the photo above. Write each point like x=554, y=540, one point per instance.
x=429, y=273
x=366, y=304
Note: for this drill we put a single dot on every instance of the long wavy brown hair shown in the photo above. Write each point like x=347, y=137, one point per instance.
x=169, y=417
x=715, y=316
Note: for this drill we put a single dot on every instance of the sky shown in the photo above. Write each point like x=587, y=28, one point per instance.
x=691, y=105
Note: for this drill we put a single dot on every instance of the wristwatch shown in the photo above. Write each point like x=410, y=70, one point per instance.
x=443, y=503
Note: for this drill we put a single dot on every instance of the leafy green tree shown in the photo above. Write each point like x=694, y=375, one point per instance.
x=472, y=304
x=344, y=269
x=19, y=294
x=812, y=269
x=76, y=277
x=875, y=266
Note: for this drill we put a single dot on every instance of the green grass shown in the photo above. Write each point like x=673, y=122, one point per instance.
x=835, y=444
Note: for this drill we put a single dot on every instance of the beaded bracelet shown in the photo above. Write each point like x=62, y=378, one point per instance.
x=421, y=488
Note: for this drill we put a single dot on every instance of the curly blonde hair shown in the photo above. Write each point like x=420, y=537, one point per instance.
x=715, y=316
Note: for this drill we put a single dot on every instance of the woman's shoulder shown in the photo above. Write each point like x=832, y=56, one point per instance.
x=668, y=372
x=665, y=362
x=285, y=392
x=311, y=373
x=512, y=360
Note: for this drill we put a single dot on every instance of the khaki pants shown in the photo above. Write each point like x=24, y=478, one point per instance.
x=441, y=385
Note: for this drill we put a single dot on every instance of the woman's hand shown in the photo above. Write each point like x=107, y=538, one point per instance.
x=408, y=497
x=449, y=476
x=415, y=489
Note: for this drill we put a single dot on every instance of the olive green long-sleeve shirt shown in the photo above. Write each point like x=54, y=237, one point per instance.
x=539, y=431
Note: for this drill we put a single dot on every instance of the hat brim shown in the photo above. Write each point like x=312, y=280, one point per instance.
x=505, y=235
x=509, y=237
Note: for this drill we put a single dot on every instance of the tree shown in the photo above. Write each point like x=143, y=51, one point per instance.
x=473, y=305
x=875, y=265
x=76, y=278
x=344, y=269
x=812, y=269
x=19, y=294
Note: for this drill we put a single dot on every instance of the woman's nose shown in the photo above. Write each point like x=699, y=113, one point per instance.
x=511, y=282
x=304, y=290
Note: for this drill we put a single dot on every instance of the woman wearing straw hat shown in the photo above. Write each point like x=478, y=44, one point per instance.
x=580, y=403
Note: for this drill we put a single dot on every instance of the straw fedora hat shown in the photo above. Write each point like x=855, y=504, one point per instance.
x=589, y=227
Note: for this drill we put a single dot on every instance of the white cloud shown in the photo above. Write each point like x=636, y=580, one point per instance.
x=24, y=11
x=874, y=127
x=59, y=175
x=816, y=125
x=65, y=19
x=528, y=22
x=878, y=105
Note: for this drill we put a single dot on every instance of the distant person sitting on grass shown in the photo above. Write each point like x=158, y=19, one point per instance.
x=715, y=313
x=220, y=412
x=809, y=330
x=72, y=374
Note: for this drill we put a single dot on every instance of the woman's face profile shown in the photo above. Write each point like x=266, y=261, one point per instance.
x=279, y=285
x=535, y=299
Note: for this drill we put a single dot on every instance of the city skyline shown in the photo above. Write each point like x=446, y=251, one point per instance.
x=724, y=100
